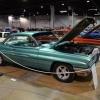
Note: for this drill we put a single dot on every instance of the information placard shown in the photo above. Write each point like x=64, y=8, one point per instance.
x=94, y=75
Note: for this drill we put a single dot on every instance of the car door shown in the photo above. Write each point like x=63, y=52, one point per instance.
x=9, y=49
x=30, y=56
x=25, y=52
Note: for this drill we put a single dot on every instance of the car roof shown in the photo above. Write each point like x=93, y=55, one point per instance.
x=30, y=33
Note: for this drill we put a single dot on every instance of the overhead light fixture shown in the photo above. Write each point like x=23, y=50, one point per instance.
x=47, y=14
x=24, y=10
x=92, y=9
x=75, y=13
x=97, y=14
x=22, y=15
x=63, y=11
x=88, y=1
x=37, y=12
x=41, y=6
x=62, y=3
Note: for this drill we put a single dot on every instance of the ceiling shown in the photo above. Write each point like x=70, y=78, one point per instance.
x=42, y=7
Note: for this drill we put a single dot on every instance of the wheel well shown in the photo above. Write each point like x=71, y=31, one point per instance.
x=51, y=69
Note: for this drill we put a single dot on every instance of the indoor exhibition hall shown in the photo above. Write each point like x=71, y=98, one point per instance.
x=49, y=50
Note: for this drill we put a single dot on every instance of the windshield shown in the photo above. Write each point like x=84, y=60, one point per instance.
x=45, y=37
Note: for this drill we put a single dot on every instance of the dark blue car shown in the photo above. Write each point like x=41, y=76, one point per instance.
x=92, y=33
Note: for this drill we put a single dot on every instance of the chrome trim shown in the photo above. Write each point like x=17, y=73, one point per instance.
x=83, y=72
x=94, y=52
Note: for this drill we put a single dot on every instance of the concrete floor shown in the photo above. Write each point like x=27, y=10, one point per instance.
x=22, y=84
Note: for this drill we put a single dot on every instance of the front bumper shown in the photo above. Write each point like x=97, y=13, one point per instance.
x=85, y=72
x=82, y=72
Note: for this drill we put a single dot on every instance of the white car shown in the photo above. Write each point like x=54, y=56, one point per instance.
x=3, y=35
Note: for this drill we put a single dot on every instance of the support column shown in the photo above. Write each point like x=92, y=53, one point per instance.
x=29, y=21
x=72, y=17
x=52, y=17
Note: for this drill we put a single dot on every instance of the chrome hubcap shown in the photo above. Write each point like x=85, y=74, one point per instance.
x=0, y=60
x=62, y=72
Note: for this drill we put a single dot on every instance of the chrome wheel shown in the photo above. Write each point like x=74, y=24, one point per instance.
x=62, y=72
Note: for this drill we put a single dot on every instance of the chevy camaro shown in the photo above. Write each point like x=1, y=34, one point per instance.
x=43, y=51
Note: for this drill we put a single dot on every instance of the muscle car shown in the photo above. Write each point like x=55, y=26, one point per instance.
x=34, y=50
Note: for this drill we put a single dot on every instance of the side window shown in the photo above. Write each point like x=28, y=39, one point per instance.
x=0, y=34
x=21, y=41
x=6, y=34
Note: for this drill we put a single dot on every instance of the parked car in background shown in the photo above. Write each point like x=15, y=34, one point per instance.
x=91, y=36
x=3, y=35
x=60, y=32
x=35, y=50
x=92, y=33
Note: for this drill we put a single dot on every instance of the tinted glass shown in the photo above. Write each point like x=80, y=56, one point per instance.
x=0, y=34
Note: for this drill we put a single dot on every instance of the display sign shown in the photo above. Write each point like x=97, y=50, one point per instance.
x=94, y=75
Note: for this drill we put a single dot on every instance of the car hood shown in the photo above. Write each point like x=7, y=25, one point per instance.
x=77, y=29
x=91, y=30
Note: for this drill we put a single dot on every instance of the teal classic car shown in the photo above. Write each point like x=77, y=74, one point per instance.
x=43, y=51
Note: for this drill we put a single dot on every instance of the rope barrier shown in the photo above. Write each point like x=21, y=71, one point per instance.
x=43, y=71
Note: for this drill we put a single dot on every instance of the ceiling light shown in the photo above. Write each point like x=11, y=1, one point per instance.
x=62, y=3
x=75, y=14
x=92, y=9
x=97, y=14
x=37, y=12
x=63, y=11
x=41, y=6
x=88, y=1
x=24, y=10
x=22, y=15
x=47, y=14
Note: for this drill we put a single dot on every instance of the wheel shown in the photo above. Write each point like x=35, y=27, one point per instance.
x=61, y=75
x=2, y=62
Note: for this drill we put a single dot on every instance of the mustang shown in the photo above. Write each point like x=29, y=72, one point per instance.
x=43, y=51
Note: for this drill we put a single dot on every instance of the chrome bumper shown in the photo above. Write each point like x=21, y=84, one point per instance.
x=82, y=72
